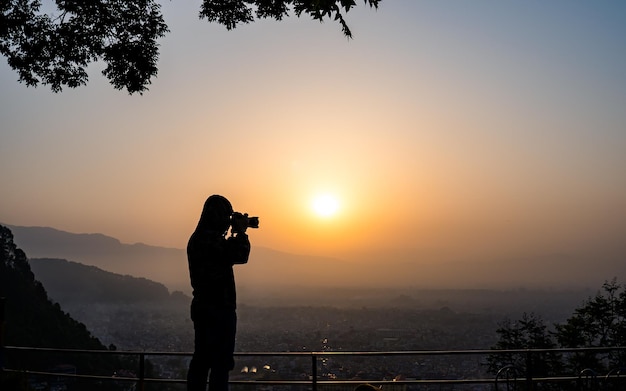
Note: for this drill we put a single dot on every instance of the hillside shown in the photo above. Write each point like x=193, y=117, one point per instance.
x=32, y=319
x=72, y=282
x=28, y=307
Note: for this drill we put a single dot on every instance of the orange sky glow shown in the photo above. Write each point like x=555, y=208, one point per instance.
x=446, y=131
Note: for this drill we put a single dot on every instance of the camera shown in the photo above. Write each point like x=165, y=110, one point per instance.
x=240, y=222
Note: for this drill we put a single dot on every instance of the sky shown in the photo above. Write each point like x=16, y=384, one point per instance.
x=444, y=130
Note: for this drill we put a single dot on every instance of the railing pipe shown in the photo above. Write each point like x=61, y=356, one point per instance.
x=2, y=301
x=314, y=372
x=530, y=385
x=529, y=381
x=142, y=371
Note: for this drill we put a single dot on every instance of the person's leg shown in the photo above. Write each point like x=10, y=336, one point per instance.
x=224, y=345
x=200, y=361
x=218, y=379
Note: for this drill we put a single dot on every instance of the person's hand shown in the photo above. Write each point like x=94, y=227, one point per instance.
x=240, y=222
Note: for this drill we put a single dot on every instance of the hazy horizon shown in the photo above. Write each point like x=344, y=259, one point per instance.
x=272, y=273
x=462, y=140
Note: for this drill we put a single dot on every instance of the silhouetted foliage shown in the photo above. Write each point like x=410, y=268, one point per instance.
x=530, y=332
x=55, y=50
x=599, y=322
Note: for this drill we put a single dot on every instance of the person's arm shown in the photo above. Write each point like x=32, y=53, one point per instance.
x=238, y=248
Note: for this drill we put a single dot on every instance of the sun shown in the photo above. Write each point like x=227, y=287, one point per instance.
x=325, y=205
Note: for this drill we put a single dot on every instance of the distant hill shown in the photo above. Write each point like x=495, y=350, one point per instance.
x=72, y=282
x=165, y=265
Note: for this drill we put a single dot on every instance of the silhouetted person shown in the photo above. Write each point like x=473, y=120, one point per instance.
x=211, y=257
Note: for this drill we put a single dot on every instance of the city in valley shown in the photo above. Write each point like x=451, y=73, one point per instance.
x=360, y=321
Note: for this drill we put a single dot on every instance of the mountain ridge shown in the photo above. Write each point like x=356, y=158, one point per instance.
x=266, y=267
x=280, y=273
x=69, y=282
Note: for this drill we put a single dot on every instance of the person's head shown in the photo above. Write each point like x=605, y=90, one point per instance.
x=215, y=214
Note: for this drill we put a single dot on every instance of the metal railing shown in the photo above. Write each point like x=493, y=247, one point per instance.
x=509, y=377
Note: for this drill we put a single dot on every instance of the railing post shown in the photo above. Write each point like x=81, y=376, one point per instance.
x=2, y=301
x=313, y=371
x=142, y=370
x=529, y=371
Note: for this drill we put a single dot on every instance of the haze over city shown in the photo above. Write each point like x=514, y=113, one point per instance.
x=443, y=136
